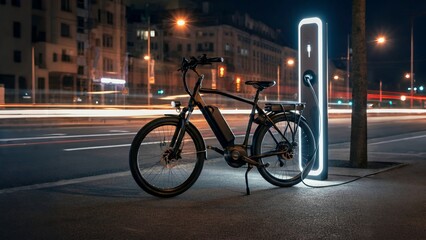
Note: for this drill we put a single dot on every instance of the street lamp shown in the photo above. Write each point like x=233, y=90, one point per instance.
x=412, y=57
x=289, y=63
x=412, y=62
x=181, y=22
x=150, y=78
x=335, y=77
x=381, y=40
x=148, y=60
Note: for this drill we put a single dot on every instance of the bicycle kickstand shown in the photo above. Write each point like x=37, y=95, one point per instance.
x=249, y=167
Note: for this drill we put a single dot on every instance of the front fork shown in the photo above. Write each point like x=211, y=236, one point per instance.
x=179, y=133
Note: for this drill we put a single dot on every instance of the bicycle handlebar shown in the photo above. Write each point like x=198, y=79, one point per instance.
x=193, y=62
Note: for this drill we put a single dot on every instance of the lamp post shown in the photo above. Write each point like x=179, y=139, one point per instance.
x=180, y=22
x=348, y=57
x=148, y=59
x=412, y=63
x=335, y=77
x=412, y=56
x=380, y=41
x=288, y=63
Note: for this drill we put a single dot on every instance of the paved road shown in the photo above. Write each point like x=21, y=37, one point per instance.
x=109, y=205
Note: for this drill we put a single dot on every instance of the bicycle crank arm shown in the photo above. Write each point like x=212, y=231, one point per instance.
x=218, y=150
x=267, y=155
x=254, y=162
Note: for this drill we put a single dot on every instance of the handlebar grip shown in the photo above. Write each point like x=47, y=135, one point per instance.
x=216, y=59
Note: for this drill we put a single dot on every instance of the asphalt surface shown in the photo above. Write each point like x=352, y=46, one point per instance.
x=389, y=204
x=385, y=201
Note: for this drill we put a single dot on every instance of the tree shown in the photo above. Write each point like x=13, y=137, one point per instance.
x=358, y=151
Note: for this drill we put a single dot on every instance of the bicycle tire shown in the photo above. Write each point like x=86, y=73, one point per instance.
x=283, y=171
x=153, y=171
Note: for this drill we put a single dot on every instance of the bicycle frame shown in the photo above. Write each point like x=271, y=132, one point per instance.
x=221, y=129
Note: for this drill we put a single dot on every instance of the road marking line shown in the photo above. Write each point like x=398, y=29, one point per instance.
x=96, y=147
x=119, y=131
x=397, y=140
x=64, y=182
x=124, y=145
x=69, y=136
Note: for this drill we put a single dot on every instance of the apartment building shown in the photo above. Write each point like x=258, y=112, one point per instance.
x=62, y=51
x=92, y=51
x=250, y=48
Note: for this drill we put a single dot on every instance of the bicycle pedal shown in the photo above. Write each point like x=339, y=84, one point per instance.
x=264, y=165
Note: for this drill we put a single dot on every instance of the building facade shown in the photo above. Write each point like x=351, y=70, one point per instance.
x=59, y=51
x=92, y=51
x=247, y=46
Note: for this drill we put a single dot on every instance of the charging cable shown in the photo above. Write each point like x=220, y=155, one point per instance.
x=311, y=162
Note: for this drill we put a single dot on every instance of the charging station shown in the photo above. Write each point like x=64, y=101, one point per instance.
x=313, y=67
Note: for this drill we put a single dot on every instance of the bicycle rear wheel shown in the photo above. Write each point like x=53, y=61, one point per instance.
x=284, y=169
x=156, y=168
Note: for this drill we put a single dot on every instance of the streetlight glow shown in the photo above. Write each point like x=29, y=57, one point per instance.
x=290, y=62
x=181, y=22
x=381, y=40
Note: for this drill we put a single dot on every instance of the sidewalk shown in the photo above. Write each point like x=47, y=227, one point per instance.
x=389, y=205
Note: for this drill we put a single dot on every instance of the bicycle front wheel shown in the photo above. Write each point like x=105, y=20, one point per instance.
x=158, y=169
x=296, y=150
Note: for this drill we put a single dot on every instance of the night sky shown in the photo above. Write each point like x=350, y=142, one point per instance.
x=388, y=63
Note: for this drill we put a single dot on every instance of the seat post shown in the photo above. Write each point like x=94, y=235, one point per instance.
x=256, y=96
x=252, y=116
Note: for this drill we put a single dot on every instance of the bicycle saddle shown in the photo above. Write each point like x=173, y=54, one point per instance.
x=260, y=84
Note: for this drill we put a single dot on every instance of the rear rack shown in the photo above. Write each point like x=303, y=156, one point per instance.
x=284, y=106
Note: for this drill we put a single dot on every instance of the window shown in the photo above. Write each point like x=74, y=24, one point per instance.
x=188, y=47
x=80, y=48
x=143, y=34
x=55, y=57
x=65, y=5
x=16, y=29
x=16, y=3
x=108, y=65
x=107, y=41
x=65, y=30
x=80, y=24
x=80, y=4
x=17, y=56
x=179, y=47
x=110, y=18
x=65, y=56
x=80, y=70
x=2, y=2
x=40, y=60
x=205, y=47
